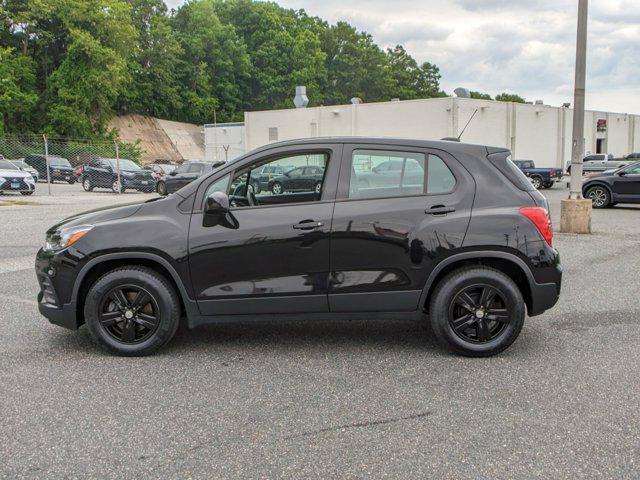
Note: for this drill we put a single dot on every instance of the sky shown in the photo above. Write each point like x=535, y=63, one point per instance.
x=518, y=46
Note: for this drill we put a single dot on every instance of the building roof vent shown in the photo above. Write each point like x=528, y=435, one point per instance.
x=301, y=100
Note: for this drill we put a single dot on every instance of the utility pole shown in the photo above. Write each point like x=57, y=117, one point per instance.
x=576, y=212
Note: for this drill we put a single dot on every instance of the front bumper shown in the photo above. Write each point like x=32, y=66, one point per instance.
x=53, y=275
x=140, y=184
x=16, y=185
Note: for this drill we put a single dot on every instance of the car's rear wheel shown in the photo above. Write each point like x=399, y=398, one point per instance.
x=276, y=188
x=161, y=188
x=86, y=184
x=536, y=181
x=132, y=311
x=477, y=311
x=599, y=196
x=71, y=181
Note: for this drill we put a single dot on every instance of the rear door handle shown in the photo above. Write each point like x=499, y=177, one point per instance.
x=439, y=210
x=308, y=225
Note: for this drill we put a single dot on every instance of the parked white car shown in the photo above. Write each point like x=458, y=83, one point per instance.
x=12, y=179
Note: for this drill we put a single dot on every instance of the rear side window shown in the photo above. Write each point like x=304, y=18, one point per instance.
x=387, y=173
x=502, y=161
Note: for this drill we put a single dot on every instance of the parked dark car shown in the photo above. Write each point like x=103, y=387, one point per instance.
x=299, y=179
x=103, y=173
x=185, y=173
x=612, y=187
x=467, y=247
x=540, y=177
x=261, y=177
x=59, y=168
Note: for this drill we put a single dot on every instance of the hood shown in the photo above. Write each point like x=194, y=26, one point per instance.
x=606, y=173
x=94, y=217
x=7, y=173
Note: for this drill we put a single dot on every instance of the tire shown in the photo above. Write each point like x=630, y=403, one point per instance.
x=27, y=193
x=256, y=187
x=599, y=196
x=548, y=185
x=116, y=187
x=487, y=327
x=161, y=188
x=71, y=181
x=276, y=188
x=121, y=330
x=536, y=181
x=86, y=184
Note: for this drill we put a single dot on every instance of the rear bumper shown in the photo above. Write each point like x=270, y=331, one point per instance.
x=545, y=295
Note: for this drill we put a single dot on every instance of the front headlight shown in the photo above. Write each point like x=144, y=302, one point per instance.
x=29, y=179
x=65, y=237
x=2, y=179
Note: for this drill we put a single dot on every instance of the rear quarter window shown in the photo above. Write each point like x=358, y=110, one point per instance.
x=502, y=162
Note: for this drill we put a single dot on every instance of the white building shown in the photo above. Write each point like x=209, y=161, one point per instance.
x=535, y=132
x=223, y=141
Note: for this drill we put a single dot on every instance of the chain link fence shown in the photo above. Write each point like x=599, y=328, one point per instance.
x=41, y=165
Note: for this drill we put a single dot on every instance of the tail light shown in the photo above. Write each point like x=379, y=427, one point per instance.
x=552, y=173
x=539, y=216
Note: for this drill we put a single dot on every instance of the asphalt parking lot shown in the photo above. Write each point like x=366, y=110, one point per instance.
x=374, y=399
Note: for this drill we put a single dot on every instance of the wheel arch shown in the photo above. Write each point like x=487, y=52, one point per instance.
x=105, y=263
x=597, y=183
x=509, y=264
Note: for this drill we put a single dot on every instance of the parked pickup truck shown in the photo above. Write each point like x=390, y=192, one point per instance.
x=539, y=177
x=600, y=162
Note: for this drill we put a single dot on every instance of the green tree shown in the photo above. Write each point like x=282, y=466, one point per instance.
x=509, y=97
x=155, y=88
x=215, y=66
x=18, y=95
x=411, y=81
x=356, y=66
x=480, y=95
x=284, y=50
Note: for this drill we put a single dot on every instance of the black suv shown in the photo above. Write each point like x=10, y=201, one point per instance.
x=609, y=188
x=59, y=168
x=185, y=173
x=103, y=173
x=468, y=246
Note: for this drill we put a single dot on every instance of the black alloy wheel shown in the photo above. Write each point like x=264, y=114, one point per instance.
x=129, y=314
x=478, y=313
x=132, y=311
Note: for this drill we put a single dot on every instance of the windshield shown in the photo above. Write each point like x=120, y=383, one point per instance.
x=63, y=162
x=124, y=164
x=20, y=163
x=7, y=165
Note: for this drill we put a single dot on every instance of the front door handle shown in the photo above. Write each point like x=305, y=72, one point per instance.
x=439, y=210
x=308, y=225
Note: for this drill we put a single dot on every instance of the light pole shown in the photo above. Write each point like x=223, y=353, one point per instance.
x=576, y=212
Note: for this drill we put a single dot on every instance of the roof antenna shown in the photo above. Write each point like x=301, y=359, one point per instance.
x=465, y=127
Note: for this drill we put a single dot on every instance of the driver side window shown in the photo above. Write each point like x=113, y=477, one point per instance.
x=279, y=181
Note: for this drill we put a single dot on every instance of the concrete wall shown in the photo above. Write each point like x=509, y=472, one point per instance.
x=537, y=132
x=223, y=141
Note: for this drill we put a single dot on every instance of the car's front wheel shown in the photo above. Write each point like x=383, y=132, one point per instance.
x=132, y=311
x=599, y=196
x=117, y=187
x=86, y=184
x=477, y=311
x=30, y=192
x=161, y=188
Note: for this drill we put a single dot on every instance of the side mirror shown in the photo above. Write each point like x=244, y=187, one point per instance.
x=622, y=173
x=173, y=173
x=217, y=203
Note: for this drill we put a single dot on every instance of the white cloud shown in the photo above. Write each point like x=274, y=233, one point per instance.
x=519, y=46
